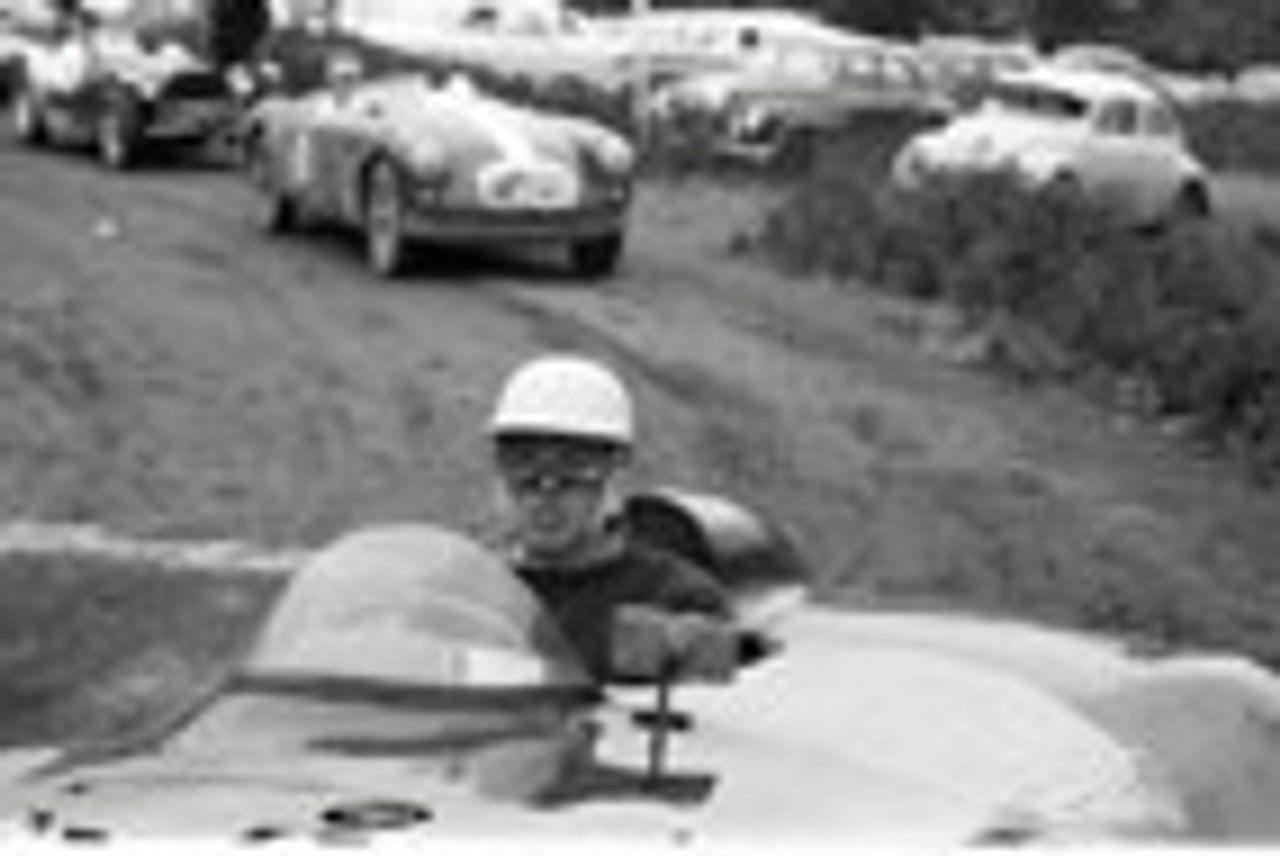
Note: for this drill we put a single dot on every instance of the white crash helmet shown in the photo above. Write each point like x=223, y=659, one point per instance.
x=565, y=395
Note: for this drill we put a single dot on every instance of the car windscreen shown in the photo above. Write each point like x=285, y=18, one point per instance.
x=412, y=606
x=1035, y=100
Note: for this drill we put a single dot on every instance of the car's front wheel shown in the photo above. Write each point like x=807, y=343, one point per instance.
x=387, y=243
x=28, y=123
x=119, y=132
x=597, y=257
x=278, y=212
x=1192, y=203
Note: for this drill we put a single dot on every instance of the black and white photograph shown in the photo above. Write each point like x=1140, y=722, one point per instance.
x=659, y=424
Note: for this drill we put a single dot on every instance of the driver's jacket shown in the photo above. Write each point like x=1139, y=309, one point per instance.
x=584, y=600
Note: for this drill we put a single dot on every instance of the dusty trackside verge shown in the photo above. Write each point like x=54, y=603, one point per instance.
x=90, y=542
x=102, y=636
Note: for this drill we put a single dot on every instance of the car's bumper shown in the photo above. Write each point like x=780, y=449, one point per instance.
x=447, y=223
x=189, y=120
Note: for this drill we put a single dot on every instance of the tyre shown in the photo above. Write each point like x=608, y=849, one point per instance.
x=794, y=149
x=1064, y=188
x=278, y=212
x=596, y=257
x=118, y=132
x=1192, y=203
x=386, y=243
x=28, y=123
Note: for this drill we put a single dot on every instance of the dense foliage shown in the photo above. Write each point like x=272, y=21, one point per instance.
x=1178, y=328
x=235, y=29
x=1235, y=136
x=1189, y=315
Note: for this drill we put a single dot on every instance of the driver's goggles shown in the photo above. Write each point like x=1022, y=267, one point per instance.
x=554, y=468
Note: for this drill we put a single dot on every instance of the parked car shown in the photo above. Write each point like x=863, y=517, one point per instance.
x=101, y=84
x=403, y=158
x=1105, y=135
x=772, y=107
x=12, y=48
x=667, y=45
x=961, y=67
x=1258, y=84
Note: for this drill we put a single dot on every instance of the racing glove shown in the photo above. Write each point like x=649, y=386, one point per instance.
x=651, y=644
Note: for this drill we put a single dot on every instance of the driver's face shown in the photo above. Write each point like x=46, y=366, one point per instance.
x=557, y=490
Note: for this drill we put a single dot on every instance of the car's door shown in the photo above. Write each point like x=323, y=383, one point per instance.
x=1163, y=155
x=1118, y=164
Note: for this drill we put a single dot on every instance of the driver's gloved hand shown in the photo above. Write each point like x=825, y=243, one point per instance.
x=651, y=644
x=755, y=645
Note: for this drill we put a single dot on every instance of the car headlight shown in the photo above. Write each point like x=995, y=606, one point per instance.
x=426, y=169
x=911, y=165
x=1038, y=170
x=613, y=155
x=427, y=163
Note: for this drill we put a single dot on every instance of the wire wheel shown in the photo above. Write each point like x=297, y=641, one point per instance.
x=596, y=257
x=118, y=134
x=278, y=211
x=25, y=114
x=386, y=244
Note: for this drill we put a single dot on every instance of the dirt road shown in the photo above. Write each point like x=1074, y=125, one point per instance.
x=168, y=368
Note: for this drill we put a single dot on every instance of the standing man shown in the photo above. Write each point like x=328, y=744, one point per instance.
x=563, y=436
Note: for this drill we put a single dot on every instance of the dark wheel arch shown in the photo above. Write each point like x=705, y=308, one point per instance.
x=1193, y=201
x=279, y=212
x=598, y=256
x=118, y=127
x=25, y=112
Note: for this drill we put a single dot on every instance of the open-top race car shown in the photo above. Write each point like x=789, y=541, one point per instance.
x=406, y=687
x=403, y=159
x=96, y=81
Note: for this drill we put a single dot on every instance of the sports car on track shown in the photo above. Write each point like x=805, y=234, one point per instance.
x=406, y=687
x=404, y=159
x=105, y=86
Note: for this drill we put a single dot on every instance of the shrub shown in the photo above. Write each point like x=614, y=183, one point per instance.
x=1236, y=135
x=1057, y=285
x=1055, y=288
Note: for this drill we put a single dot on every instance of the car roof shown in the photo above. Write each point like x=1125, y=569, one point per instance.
x=1087, y=84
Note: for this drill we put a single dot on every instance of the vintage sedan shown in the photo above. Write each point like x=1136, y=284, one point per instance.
x=771, y=109
x=1103, y=134
x=405, y=159
x=105, y=85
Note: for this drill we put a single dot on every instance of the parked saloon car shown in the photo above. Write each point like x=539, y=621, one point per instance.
x=767, y=108
x=108, y=87
x=402, y=158
x=12, y=46
x=1110, y=136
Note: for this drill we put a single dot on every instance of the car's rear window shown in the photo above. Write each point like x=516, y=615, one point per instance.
x=1036, y=100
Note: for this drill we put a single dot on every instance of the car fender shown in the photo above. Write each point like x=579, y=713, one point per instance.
x=355, y=188
x=1041, y=168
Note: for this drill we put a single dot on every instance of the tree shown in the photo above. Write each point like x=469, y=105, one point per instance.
x=902, y=18
x=235, y=28
x=981, y=17
x=1059, y=22
x=1223, y=35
